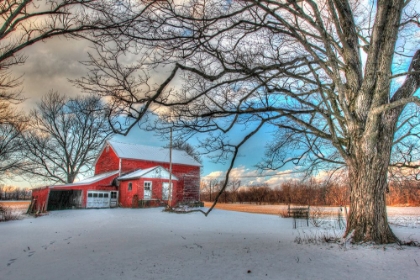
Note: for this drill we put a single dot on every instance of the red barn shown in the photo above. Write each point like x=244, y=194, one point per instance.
x=127, y=175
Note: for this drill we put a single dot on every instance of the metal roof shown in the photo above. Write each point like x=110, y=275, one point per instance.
x=90, y=179
x=151, y=153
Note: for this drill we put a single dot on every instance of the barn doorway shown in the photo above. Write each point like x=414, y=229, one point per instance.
x=114, y=199
x=64, y=199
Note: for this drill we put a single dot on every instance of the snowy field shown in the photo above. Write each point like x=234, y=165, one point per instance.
x=151, y=244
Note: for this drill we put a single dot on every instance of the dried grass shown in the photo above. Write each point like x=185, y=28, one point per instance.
x=9, y=214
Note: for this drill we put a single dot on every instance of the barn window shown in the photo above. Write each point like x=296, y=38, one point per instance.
x=101, y=195
x=130, y=186
x=89, y=194
x=105, y=195
x=95, y=195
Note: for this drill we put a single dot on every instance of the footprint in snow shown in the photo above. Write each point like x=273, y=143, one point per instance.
x=30, y=254
x=11, y=261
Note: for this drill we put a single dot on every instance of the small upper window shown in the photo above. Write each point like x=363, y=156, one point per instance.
x=147, y=186
x=130, y=186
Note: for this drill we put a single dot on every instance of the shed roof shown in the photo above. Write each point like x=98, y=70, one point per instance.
x=90, y=180
x=151, y=153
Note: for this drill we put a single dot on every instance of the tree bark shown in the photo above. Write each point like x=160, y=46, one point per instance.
x=368, y=174
x=367, y=220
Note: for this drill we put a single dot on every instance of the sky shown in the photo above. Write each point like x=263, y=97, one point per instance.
x=51, y=64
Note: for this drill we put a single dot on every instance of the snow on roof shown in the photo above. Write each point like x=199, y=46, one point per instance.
x=151, y=153
x=90, y=180
x=142, y=172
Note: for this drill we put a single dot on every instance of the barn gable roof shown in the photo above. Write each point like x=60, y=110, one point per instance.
x=153, y=172
x=150, y=153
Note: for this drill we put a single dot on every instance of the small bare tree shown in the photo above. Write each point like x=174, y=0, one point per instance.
x=12, y=123
x=63, y=137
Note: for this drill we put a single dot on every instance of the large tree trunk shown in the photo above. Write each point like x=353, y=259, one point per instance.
x=368, y=174
x=367, y=220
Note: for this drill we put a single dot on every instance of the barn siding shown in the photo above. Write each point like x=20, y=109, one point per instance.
x=40, y=199
x=107, y=161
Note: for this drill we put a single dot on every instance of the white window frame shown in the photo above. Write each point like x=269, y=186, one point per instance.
x=144, y=189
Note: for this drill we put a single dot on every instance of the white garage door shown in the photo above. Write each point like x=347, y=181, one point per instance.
x=98, y=199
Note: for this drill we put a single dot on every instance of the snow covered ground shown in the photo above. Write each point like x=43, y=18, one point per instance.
x=151, y=244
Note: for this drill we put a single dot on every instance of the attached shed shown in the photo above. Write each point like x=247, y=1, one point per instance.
x=94, y=192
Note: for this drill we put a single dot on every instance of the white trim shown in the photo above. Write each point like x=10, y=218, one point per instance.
x=143, y=173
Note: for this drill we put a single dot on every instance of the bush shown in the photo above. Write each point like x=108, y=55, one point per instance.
x=318, y=237
x=7, y=214
x=316, y=218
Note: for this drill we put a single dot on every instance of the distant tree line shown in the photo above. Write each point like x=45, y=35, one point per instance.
x=311, y=192
x=14, y=193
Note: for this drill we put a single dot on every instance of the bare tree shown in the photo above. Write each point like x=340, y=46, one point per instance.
x=179, y=144
x=332, y=76
x=63, y=137
x=12, y=124
x=209, y=187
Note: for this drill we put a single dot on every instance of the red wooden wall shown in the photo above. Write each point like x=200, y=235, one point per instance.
x=39, y=199
x=107, y=161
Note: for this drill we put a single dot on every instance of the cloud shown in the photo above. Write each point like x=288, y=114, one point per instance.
x=49, y=65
